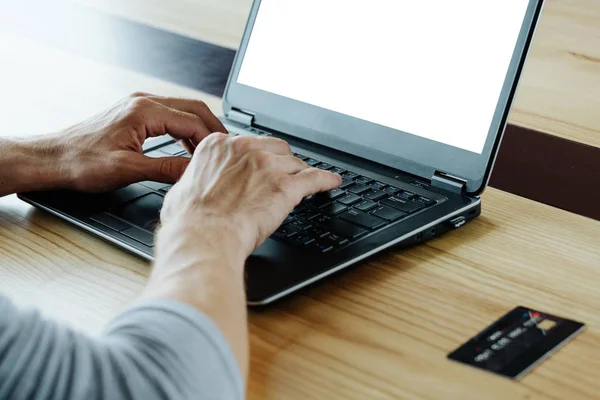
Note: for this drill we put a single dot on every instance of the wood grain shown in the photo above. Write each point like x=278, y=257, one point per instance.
x=558, y=92
x=379, y=331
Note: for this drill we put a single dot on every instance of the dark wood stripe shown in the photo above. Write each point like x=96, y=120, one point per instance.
x=541, y=167
x=117, y=41
x=549, y=169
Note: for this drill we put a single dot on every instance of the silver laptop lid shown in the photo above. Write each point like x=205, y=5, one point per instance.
x=424, y=87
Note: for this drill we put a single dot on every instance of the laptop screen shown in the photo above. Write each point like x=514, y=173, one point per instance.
x=434, y=69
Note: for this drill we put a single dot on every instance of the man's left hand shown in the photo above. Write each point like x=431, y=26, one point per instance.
x=105, y=152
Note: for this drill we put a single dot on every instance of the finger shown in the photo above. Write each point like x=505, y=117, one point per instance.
x=179, y=124
x=162, y=169
x=289, y=164
x=314, y=180
x=195, y=107
x=270, y=144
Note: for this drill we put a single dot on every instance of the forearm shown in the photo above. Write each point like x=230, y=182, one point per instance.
x=202, y=265
x=154, y=350
x=30, y=164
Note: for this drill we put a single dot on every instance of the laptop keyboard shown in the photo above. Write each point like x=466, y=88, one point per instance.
x=321, y=223
x=327, y=221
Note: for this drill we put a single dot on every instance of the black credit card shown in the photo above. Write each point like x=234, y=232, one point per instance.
x=517, y=342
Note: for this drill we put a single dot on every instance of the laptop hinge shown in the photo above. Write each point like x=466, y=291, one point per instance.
x=240, y=117
x=446, y=182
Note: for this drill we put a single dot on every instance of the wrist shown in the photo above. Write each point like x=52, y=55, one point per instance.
x=32, y=164
x=186, y=240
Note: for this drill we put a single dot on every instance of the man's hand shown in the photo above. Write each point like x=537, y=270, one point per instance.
x=234, y=194
x=105, y=152
x=246, y=185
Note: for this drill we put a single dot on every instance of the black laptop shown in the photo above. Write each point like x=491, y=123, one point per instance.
x=406, y=100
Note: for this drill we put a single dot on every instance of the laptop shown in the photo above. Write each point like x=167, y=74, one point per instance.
x=406, y=100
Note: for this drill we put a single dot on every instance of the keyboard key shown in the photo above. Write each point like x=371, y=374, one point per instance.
x=286, y=231
x=172, y=149
x=321, y=219
x=344, y=229
x=320, y=200
x=308, y=213
x=363, y=180
x=139, y=235
x=337, y=240
x=345, y=184
x=110, y=221
x=338, y=170
x=405, y=195
x=402, y=205
x=334, y=194
x=166, y=189
x=391, y=190
x=322, y=246
x=312, y=162
x=377, y=185
x=375, y=195
x=154, y=185
x=289, y=218
x=388, y=213
x=143, y=212
x=349, y=176
x=349, y=199
x=362, y=219
x=365, y=205
x=300, y=156
x=324, y=166
x=128, y=193
x=302, y=239
x=424, y=200
x=298, y=208
x=333, y=208
x=329, y=243
x=358, y=189
x=156, y=154
x=318, y=231
x=300, y=224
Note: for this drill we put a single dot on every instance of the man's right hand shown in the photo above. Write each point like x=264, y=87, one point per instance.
x=235, y=192
x=244, y=186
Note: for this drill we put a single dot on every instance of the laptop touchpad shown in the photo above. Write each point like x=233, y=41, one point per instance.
x=143, y=212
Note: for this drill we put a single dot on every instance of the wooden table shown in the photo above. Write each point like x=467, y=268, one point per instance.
x=381, y=330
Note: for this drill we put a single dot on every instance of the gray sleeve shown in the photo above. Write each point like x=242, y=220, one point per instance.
x=154, y=350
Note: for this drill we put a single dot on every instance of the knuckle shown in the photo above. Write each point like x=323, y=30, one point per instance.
x=138, y=94
x=284, y=144
x=140, y=103
x=242, y=144
x=301, y=164
x=135, y=118
x=197, y=119
x=166, y=167
x=200, y=104
x=261, y=160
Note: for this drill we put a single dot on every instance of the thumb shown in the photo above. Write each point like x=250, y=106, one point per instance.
x=162, y=169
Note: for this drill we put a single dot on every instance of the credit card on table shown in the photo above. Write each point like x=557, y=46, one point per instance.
x=517, y=342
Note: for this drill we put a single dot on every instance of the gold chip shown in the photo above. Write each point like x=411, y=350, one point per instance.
x=546, y=324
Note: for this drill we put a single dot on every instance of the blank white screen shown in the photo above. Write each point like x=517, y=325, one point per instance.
x=430, y=68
